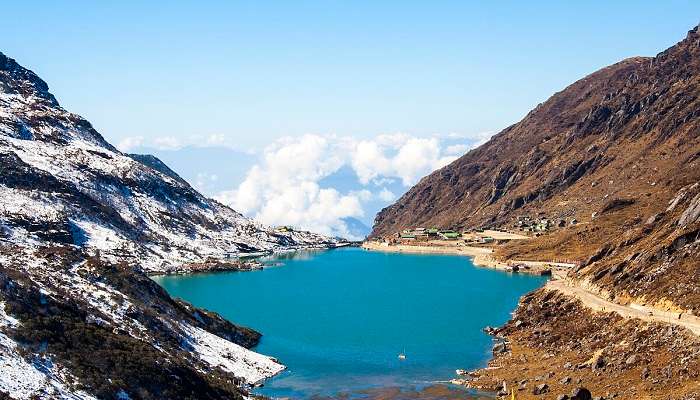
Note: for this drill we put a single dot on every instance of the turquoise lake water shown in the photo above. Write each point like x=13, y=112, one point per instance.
x=338, y=319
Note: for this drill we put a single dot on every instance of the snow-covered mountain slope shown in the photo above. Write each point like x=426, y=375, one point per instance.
x=74, y=326
x=81, y=226
x=63, y=182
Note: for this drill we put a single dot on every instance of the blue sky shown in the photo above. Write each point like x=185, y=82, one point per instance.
x=259, y=70
x=219, y=89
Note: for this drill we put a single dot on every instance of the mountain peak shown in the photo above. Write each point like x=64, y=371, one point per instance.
x=15, y=79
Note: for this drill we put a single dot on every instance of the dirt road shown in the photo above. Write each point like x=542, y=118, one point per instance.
x=597, y=303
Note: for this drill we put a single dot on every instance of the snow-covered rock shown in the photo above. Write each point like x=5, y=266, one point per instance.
x=81, y=224
x=57, y=167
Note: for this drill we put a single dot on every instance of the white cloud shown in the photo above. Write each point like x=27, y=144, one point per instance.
x=364, y=195
x=204, y=180
x=405, y=157
x=216, y=139
x=175, y=143
x=129, y=143
x=474, y=139
x=284, y=187
x=457, y=149
x=386, y=195
x=167, y=143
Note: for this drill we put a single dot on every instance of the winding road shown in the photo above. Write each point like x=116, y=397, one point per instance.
x=644, y=313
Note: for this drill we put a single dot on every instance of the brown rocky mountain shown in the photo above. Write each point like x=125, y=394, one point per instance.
x=620, y=143
x=629, y=130
x=619, y=151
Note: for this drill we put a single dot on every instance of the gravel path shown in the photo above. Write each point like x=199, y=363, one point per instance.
x=597, y=303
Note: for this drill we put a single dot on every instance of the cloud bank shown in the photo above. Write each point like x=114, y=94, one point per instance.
x=284, y=187
x=130, y=143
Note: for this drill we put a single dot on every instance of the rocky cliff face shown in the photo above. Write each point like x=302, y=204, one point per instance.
x=81, y=224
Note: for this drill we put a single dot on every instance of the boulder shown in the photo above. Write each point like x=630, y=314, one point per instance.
x=631, y=360
x=652, y=219
x=499, y=348
x=580, y=394
x=692, y=213
x=540, y=389
x=598, y=362
x=617, y=268
x=503, y=389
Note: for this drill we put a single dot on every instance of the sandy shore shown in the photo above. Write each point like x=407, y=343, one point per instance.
x=401, y=248
x=482, y=256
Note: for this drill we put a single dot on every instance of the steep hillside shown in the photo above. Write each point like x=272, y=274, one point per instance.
x=81, y=224
x=629, y=130
x=619, y=152
x=63, y=182
x=612, y=151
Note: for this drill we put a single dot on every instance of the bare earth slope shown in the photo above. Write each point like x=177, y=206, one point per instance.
x=629, y=130
x=619, y=151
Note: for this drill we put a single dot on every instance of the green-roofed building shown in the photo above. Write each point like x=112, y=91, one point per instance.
x=449, y=235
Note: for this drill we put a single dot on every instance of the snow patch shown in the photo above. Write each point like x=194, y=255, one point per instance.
x=241, y=362
x=42, y=378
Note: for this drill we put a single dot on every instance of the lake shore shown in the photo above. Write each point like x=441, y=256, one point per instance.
x=416, y=317
x=242, y=263
x=481, y=256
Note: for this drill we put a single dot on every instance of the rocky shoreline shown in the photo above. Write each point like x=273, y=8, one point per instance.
x=554, y=345
x=213, y=266
x=241, y=264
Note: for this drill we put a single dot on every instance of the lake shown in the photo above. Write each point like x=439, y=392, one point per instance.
x=338, y=319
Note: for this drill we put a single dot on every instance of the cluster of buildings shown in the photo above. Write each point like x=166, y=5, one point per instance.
x=425, y=234
x=428, y=233
x=540, y=224
x=527, y=224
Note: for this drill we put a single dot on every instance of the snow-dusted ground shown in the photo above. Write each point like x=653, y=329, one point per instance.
x=62, y=184
x=112, y=202
x=111, y=309
x=241, y=362
x=24, y=380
